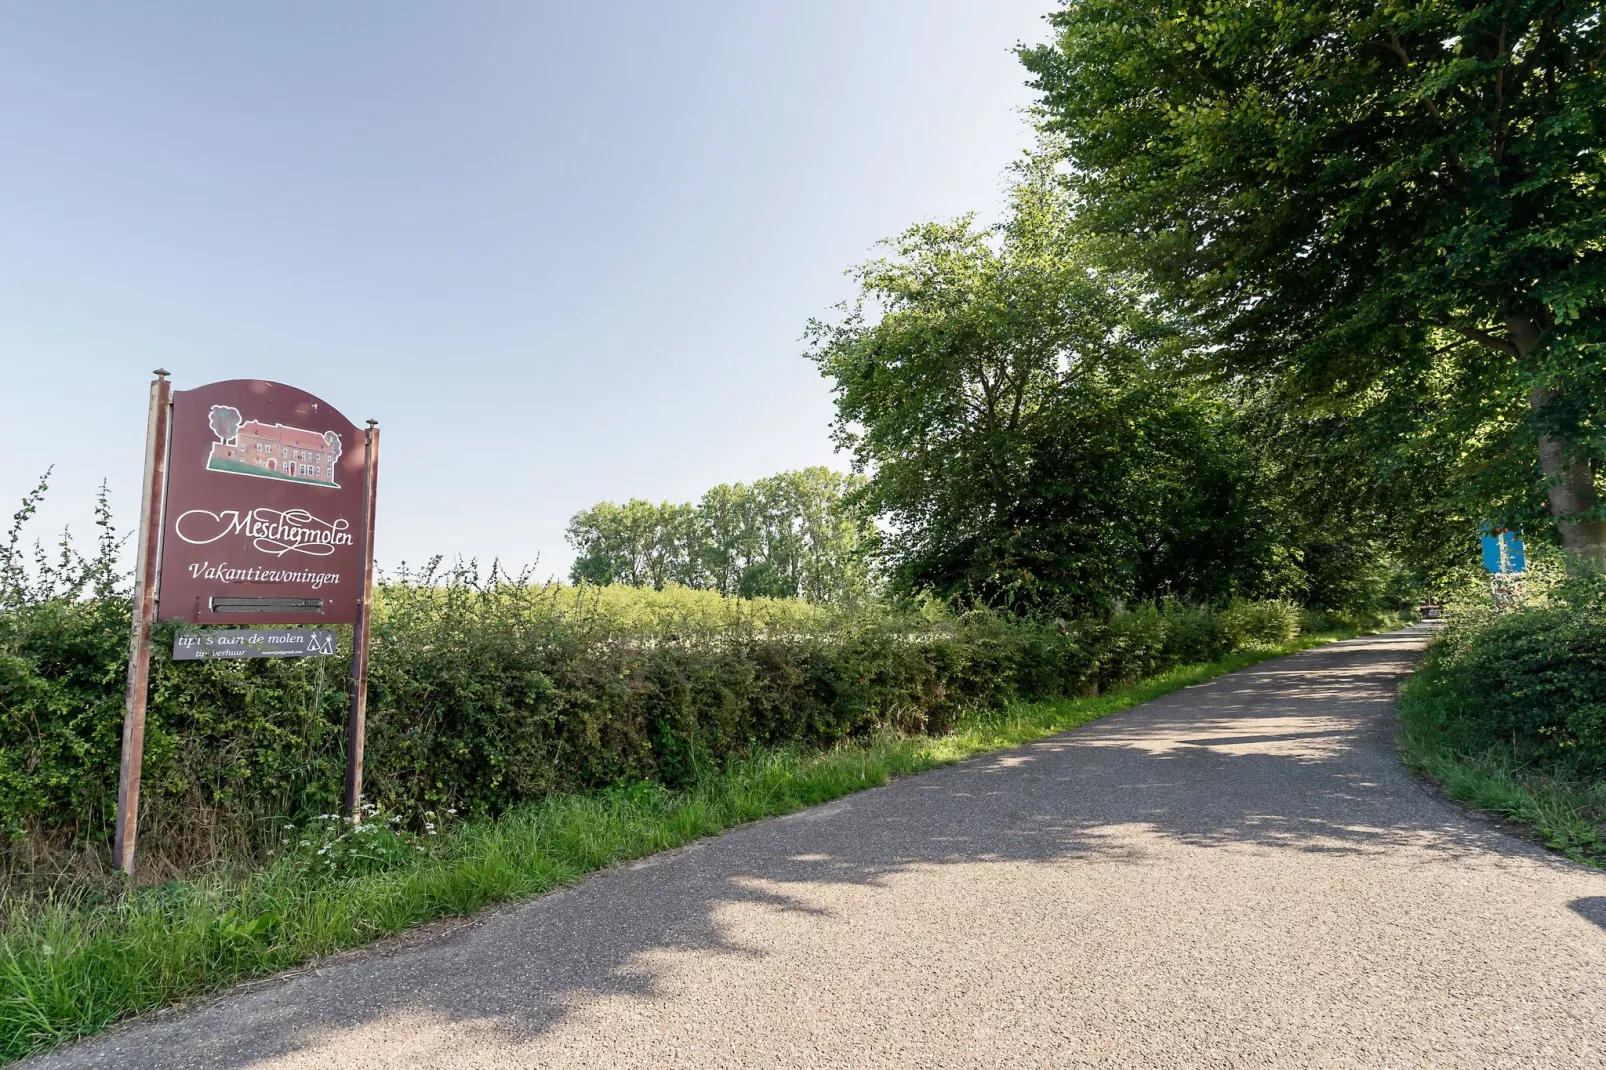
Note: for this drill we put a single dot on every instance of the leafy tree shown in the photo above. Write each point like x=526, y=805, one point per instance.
x=1366, y=524
x=792, y=535
x=1396, y=201
x=638, y=543
x=800, y=535
x=730, y=541
x=1028, y=435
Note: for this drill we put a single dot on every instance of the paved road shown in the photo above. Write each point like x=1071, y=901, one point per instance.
x=1238, y=875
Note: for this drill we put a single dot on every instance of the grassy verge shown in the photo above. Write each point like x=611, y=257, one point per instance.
x=72, y=967
x=1562, y=807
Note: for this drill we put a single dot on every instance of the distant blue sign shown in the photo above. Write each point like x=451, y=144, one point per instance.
x=1503, y=552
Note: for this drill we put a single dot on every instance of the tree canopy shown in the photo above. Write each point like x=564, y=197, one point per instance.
x=1399, y=207
x=1033, y=431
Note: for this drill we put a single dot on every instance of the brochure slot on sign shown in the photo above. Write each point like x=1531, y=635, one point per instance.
x=264, y=605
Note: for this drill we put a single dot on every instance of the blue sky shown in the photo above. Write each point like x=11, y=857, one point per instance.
x=562, y=252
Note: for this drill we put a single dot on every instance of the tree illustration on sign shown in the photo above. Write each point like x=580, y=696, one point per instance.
x=225, y=421
x=332, y=440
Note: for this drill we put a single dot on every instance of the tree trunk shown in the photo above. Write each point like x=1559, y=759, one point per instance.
x=1569, y=473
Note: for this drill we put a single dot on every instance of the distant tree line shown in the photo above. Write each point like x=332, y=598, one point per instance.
x=792, y=535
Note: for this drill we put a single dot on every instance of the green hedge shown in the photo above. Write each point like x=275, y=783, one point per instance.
x=1535, y=678
x=485, y=695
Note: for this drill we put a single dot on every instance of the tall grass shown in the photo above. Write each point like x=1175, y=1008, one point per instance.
x=1508, y=711
x=1561, y=803
x=78, y=962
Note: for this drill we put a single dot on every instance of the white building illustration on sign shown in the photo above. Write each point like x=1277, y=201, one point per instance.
x=271, y=451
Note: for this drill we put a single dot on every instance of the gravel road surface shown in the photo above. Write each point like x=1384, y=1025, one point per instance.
x=1238, y=875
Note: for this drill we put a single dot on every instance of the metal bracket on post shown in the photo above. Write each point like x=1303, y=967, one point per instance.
x=152, y=500
x=357, y=719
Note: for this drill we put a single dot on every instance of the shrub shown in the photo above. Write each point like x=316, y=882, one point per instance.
x=489, y=691
x=1537, y=677
x=1313, y=621
x=1269, y=623
x=1195, y=633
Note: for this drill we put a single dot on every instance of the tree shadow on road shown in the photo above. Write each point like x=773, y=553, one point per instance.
x=1591, y=908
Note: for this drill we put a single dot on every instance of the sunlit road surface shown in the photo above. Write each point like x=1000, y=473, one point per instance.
x=1238, y=875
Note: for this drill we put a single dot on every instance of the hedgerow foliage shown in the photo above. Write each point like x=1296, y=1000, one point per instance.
x=1536, y=677
x=487, y=691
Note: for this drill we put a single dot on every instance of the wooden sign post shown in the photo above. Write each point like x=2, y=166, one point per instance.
x=139, y=645
x=357, y=719
x=258, y=508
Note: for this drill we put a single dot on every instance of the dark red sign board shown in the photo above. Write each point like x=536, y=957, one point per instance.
x=265, y=510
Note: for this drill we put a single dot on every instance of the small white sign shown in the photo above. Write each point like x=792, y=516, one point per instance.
x=253, y=643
